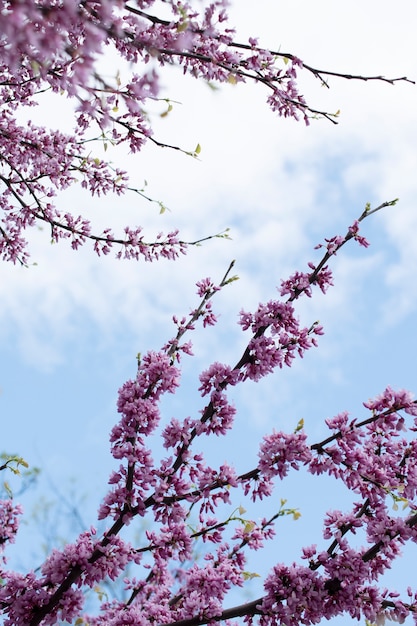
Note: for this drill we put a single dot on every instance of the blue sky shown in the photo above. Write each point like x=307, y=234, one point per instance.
x=73, y=324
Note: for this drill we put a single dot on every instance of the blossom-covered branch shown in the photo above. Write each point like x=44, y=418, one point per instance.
x=368, y=456
x=61, y=58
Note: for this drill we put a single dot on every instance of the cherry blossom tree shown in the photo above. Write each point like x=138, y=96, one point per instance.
x=57, y=47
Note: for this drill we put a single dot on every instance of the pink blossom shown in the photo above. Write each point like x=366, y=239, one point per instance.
x=279, y=452
x=9, y=521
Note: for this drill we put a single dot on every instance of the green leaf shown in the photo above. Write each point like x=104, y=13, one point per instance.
x=182, y=26
x=169, y=109
x=249, y=526
x=299, y=426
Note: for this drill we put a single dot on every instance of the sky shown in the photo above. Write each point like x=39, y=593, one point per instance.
x=72, y=324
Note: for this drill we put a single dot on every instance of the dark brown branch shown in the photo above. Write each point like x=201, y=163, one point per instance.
x=319, y=73
x=250, y=608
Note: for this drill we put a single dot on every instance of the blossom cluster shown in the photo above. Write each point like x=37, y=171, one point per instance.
x=9, y=522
